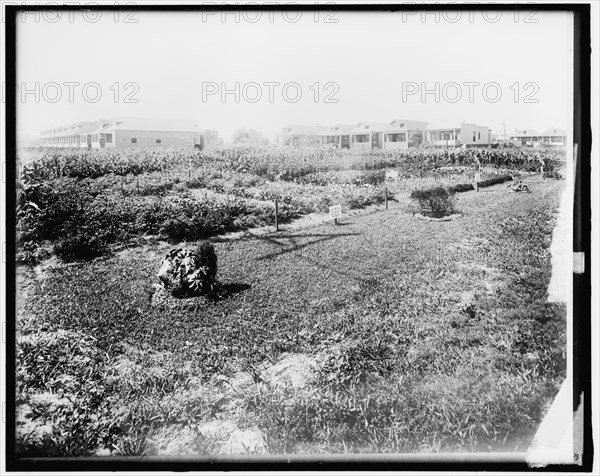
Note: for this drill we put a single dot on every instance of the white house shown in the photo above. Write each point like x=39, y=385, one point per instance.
x=300, y=135
x=385, y=135
x=337, y=135
x=455, y=134
x=550, y=137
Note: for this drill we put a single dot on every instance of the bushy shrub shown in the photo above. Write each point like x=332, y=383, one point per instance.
x=434, y=202
x=79, y=247
x=552, y=174
x=372, y=177
x=188, y=272
x=195, y=182
x=31, y=252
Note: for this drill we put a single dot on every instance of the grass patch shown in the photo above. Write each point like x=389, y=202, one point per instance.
x=432, y=337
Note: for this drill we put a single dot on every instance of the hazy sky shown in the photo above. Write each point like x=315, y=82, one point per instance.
x=370, y=66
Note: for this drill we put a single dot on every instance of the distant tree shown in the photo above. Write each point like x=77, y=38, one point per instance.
x=249, y=136
x=415, y=139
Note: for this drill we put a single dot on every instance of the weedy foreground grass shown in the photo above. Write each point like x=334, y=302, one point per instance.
x=428, y=337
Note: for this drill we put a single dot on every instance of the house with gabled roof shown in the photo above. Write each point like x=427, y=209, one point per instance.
x=550, y=137
x=456, y=134
x=525, y=136
x=393, y=135
x=300, y=135
x=337, y=135
x=554, y=136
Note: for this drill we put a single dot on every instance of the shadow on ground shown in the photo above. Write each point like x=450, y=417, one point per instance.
x=220, y=292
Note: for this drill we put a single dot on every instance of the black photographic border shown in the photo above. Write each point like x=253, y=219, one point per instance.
x=582, y=338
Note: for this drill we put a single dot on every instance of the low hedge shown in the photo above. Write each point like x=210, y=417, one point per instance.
x=465, y=187
x=461, y=187
x=495, y=180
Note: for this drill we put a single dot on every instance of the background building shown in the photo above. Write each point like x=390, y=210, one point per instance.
x=337, y=135
x=127, y=133
x=549, y=137
x=455, y=134
x=363, y=136
x=298, y=135
x=385, y=135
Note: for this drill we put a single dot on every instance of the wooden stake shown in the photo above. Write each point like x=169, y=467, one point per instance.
x=386, y=198
x=276, y=215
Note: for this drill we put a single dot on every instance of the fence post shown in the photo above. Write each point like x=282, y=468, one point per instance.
x=276, y=215
x=386, y=198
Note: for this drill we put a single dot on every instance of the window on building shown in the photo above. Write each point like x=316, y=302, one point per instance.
x=400, y=137
x=479, y=135
x=473, y=136
x=134, y=140
x=158, y=140
x=109, y=138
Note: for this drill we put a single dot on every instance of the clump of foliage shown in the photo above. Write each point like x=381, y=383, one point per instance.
x=434, y=202
x=552, y=174
x=187, y=272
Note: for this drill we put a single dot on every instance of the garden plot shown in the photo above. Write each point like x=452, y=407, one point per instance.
x=425, y=337
x=385, y=334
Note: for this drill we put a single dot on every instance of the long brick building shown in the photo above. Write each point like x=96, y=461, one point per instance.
x=127, y=133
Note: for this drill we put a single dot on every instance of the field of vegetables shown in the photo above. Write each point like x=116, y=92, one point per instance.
x=80, y=204
x=387, y=334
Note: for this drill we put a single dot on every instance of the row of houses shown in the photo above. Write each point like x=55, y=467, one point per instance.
x=552, y=136
x=397, y=134
x=126, y=133
x=148, y=133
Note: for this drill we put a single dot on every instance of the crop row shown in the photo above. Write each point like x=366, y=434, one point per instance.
x=278, y=164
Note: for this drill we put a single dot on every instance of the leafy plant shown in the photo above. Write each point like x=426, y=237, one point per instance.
x=434, y=202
